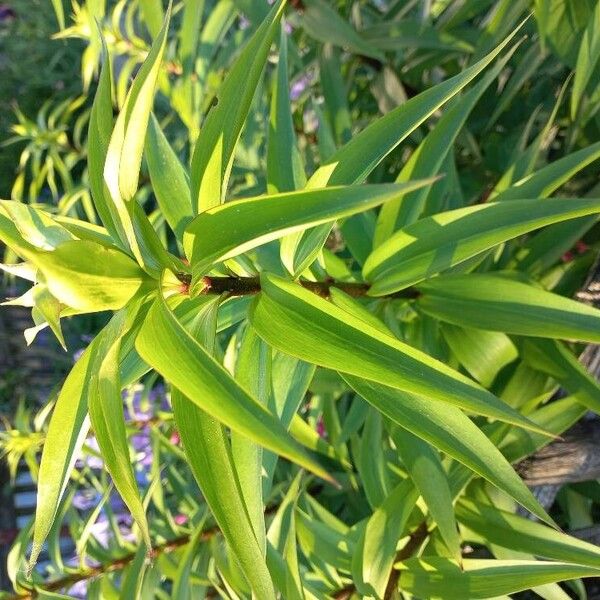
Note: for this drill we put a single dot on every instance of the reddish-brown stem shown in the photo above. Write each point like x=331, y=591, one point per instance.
x=242, y=286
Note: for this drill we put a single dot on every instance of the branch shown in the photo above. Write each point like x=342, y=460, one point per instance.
x=243, y=286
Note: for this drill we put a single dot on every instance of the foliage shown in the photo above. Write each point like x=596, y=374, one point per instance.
x=328, y=228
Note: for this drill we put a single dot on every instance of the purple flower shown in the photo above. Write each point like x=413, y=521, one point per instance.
x=78, y=590
x=85, y=499
x=77, y=354
x=299, y=86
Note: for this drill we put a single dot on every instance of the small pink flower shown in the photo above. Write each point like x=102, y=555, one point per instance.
x=567, y=257
x=581, y=247
x=180, y=519
x=321, y=428
x=175, y=439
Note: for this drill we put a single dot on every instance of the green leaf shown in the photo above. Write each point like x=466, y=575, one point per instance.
x=431, y=245
x=205, y=382
x=354, y=161
x=209, y=454
x=153, y=15
x=324, y=24
x=59, y=11
x=587, y=59
x=126, y=146
x=50, y=309
x=285, y=171
x=429, y=157
x=233, y=228
x=452, y=432
x=304, y=325
x=214, y=151
x=282, y=536
x=124, y=155
x=36, y=226
x=562, y=23
x=549, y=178
x=375, y=551
x=509, y=530
x=437, y=577
x=91, y=277
x=169, y=179
x=99, y=132
x=253, y=372
x=497, y=303
x=105, y=405
x=482, y=353
x=425, y=469
x=555, y=359
x=335, y=92
x=66, y=433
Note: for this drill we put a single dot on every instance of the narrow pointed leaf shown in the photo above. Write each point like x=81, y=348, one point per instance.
x=91, y=277
x=105, y=405
x=498, y=303
x=376, y=550
x=230, y=229
x=587, y=59
x=285, y=171
x=481, y=578
x=304, y=325
x=354, y=161
x=209, y=453
x=436, y=243
x=213, y=154
x=204, y=381
x=425, y=469
x=519, y=533
x=169, y=180
x=429, y=157
x=449, y=430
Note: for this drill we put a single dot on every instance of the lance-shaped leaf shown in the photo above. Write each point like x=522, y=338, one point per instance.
x=99, y=132
x=67, y=431
x=124, y=152
x=353, y=162
x=425, y=468
x=304, y=325
x=323, y=23
x=209, y=454
x=555, y=359
x=429, y=157
x=498, y=303
x=230, y=229
x=375, y=551
x=437, y=577
x=253, y=372
x=36, y=226
x=91, y=277
x=549, y=178
x=587, y=60
x=105, y=405
x=513, y=531
x=449, y=430
x=482, y=353
x=285, y=171
x=166, y=346
x=169, y=179
x=425, y=248
x=213, y=154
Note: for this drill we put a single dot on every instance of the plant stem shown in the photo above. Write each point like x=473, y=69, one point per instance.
x=413, y=544
x=242, y=286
